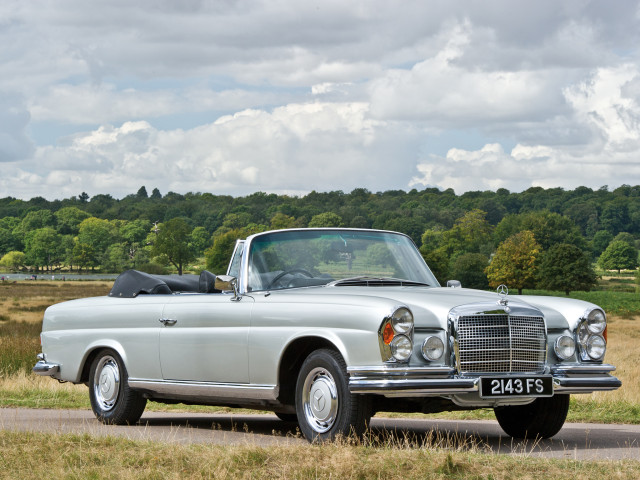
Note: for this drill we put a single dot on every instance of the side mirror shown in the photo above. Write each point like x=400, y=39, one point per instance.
x=227, y=283
x=454, y=284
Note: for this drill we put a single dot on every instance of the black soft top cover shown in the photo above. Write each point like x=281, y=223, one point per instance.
x=132, y=283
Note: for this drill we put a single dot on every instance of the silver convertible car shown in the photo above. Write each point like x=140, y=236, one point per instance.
x=326, y=327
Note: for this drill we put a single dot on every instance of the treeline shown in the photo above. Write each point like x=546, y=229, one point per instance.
x=112, y=234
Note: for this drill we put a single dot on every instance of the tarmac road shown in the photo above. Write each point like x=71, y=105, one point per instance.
x=579, y=441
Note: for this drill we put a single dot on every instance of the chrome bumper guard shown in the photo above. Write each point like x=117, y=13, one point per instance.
x=45, y=368
x=437, y=381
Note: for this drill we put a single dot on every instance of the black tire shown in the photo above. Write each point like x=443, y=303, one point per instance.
x=542, y=418
x=324, y=405
x=287, y=417
x=112, y=401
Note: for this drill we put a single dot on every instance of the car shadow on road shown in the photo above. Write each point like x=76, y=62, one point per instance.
x=573, y=441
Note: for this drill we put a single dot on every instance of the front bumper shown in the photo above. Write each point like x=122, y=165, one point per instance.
x=443, y=381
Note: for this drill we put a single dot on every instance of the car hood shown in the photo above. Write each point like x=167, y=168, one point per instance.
x=431, y=306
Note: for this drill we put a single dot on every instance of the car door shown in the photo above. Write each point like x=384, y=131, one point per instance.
x=204, y=338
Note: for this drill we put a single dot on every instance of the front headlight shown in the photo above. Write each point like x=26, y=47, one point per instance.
x=432, y=348
x=591, y=335
x=596, y=321
x=401, y=348
x=565, y=347
x=402, y=320
x=596, y=346
x=396, y=336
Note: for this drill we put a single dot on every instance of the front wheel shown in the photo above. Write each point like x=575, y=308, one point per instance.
x=542, y=418
x=112, y=401
x=324, y=405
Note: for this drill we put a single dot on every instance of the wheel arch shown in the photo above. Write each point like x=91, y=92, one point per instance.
x=94, y=350
x=292, y=358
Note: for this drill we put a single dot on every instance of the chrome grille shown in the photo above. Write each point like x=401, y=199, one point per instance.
x=500, y=344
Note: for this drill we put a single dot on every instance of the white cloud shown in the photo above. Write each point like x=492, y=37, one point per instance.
x=295, y=148
x=611, y=157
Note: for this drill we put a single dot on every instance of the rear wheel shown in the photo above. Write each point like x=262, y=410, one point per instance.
x=542, y=418
x=112, y=401
x=324, y=405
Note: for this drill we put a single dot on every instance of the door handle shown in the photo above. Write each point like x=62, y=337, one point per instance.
x=168, y=321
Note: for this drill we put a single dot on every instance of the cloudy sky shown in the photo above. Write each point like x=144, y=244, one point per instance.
x=289, y=96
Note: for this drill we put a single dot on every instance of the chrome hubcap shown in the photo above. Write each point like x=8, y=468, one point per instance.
x=106, y=383
x=320, y=400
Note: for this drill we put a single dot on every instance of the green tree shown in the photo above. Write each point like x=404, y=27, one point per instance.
x=469, y=268
x=13, y=261
x=9, y=241
x=514, y=263
x=142, y=192
x=133, y=235
x=615, y=216
x=69, y=220
x=200, y=239
x=625, y=237
x=282, y=220
x=173, y=242
x=43, y=248
x=600, y=242
x=618, y=255
x=566, y=268
x=95, y=235
x=33, y=221
x=548, y=228
x=471, y=233
x=326, y=219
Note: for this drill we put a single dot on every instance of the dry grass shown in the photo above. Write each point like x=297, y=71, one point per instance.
x=73, y=456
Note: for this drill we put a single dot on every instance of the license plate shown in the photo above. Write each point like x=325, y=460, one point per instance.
x=538, y=386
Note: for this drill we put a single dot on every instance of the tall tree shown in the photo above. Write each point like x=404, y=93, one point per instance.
x=566, y=268
x=514, y=263
x=95, y=235
x=469, y=269
x=69, y=220
x=43, y=248
x=619, y=255
x=173, y=242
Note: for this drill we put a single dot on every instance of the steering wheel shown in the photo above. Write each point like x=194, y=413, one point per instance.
x=286, y=272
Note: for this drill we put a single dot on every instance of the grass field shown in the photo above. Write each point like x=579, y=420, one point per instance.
x=69, y=456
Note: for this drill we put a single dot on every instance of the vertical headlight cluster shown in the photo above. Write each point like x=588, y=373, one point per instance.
x=592, y=335
x=396, y=336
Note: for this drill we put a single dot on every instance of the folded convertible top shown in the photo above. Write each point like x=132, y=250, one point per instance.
x=132, y=283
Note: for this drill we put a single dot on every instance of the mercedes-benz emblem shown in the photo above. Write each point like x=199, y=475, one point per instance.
x=503, y=291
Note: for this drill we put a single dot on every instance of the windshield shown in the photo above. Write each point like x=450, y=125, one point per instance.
x=302, y=258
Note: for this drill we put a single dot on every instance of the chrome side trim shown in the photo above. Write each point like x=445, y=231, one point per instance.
x=206, y=389
x=45, y=368
x=425, y=372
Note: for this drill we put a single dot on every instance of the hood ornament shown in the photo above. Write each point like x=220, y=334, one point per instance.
x=503, y=292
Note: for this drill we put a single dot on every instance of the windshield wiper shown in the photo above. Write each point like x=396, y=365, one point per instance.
x=369, y=281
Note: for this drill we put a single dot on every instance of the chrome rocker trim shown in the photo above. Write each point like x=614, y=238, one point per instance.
x=206, y=389
x=437, y=381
